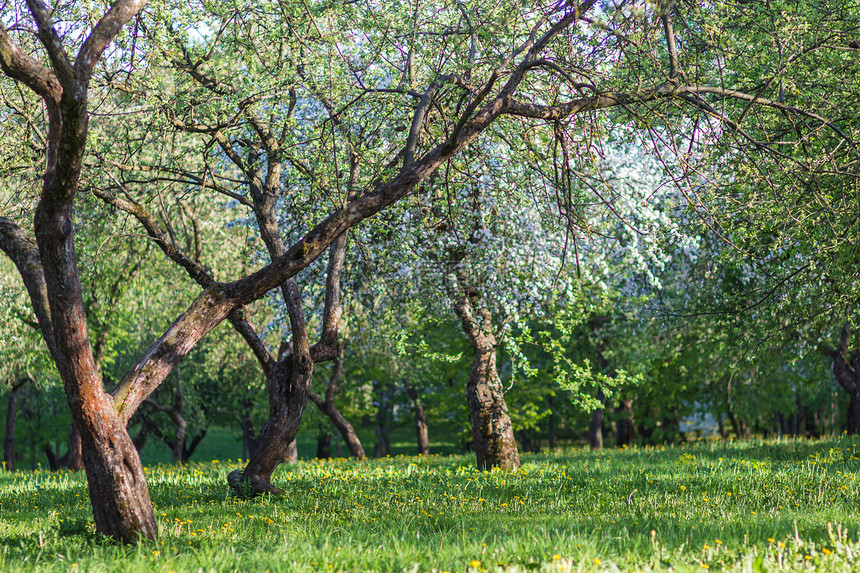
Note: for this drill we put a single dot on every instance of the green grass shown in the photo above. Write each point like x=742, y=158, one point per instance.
x=744, y=506
x=224, y=443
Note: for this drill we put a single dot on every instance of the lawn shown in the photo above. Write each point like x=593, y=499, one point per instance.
x=745, y=506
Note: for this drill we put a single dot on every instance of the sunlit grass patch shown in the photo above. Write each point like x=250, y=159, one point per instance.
x=717, y=506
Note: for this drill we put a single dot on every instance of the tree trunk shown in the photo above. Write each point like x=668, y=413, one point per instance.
x=324, y=446
x=76, y=456
x=11, y=419
x=347, y=432
x=626, y=428
x=595, y=426
x=420, y=421
x=285, y=415
x=291, y=454
x=327, y=407
x=853, y=422
x=492, y=433
x=249, y=434
x=846, y=370
x=384, y=419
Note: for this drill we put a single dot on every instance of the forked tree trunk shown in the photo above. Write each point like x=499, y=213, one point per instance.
x=384, y=419
x=285, y=415
x=328, y=407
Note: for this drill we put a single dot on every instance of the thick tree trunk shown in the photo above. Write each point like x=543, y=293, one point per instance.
x=421, y=436
x=492, y=433
x=285, y=415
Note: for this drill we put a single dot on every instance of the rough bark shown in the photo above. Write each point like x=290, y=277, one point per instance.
x=117, y=485
x=492, y=433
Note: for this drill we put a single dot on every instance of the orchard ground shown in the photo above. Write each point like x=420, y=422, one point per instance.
x=785, y=505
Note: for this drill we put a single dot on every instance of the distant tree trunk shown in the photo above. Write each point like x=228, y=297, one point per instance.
x=11, y=420
x=551, y=430
x=75, y=455
x=846, y=370
x=422, y=438
x=595, y=426
x=249, y=434
x=291, y=455
x=323, y=446
x=780, y=423
x=384, y=419
x=626, y=428
x=327, y=407
x=721, y=424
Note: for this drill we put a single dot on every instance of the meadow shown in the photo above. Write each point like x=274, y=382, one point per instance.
x=737, y=506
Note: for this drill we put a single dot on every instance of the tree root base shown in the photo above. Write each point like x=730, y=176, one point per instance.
x=250, y=486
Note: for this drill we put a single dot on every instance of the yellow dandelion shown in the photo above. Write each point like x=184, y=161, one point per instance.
x=474, y=564
x=596, y=561
x=826, y=551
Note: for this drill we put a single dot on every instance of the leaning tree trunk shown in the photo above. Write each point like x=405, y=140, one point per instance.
x=347, y=432
x=327, y=407
x=285, y=415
